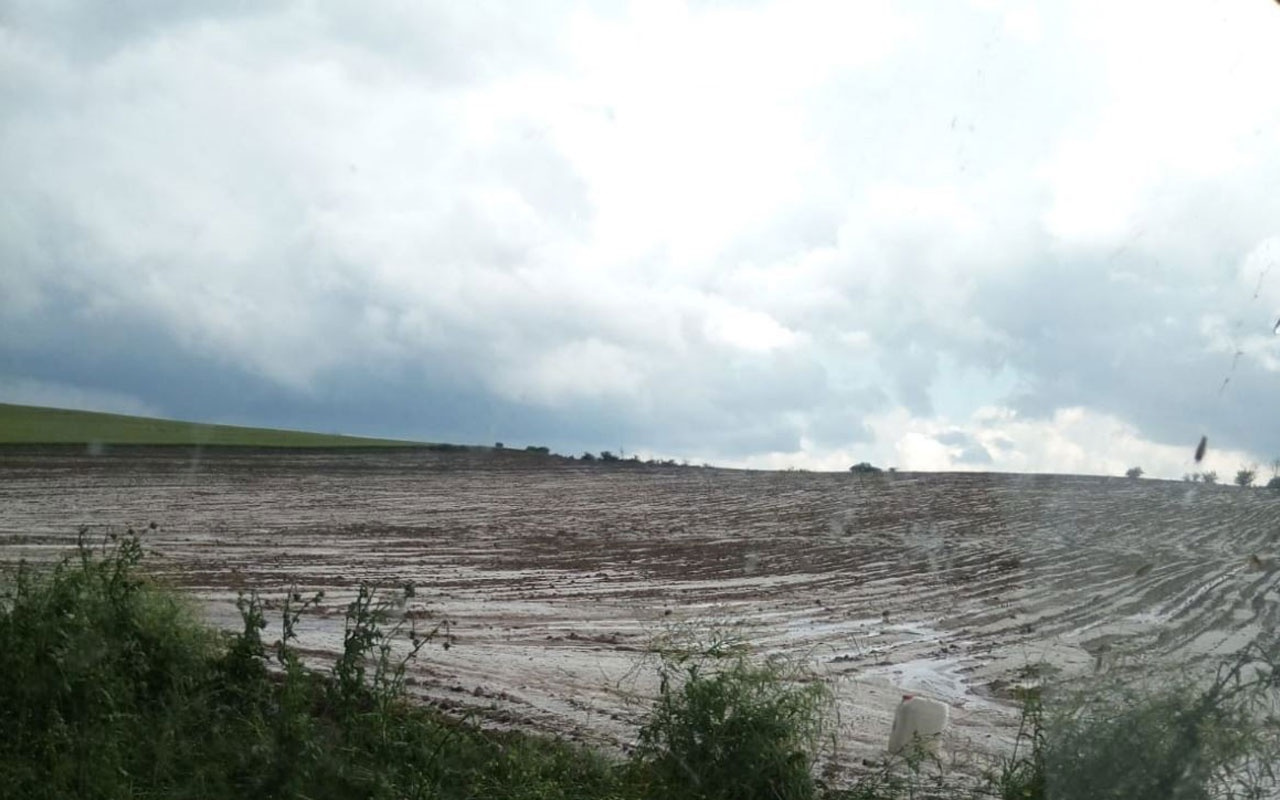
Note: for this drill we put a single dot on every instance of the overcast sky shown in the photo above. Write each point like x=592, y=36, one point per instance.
x=986, y=235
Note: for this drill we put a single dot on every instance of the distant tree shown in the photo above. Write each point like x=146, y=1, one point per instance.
x=542, y=451
x=1245, y=477
x=605, y=455
x=1209, y=477
x=498, y=445
x=1134, y=472
x=588, y=456
x=864, y=468
x=1274, y=483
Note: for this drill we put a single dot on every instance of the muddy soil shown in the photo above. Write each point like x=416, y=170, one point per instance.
x=555, y=575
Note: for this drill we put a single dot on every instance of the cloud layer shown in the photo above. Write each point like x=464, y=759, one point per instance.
x=802, y=233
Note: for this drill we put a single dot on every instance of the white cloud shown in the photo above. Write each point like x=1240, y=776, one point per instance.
x=1074, y=440
x=1187, y=96
x=749, y=330
x=576, y=370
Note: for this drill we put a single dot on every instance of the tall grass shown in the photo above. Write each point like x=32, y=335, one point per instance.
x=111, y=689
x=101, y=675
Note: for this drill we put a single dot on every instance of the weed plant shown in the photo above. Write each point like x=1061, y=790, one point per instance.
x=1183, y=740
x=729, y=727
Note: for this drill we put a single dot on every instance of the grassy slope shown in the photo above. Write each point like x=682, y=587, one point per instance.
x=38, y=425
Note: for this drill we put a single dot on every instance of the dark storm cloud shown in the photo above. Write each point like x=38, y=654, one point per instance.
x=425, y=400
x=1133, y=339
x=954, y=438
x=431, y=395
x=448, y=42
x=972, y=453
x=88, y=30
x=846, y=424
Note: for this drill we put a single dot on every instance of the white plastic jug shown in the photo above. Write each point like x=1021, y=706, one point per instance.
x=917, y=717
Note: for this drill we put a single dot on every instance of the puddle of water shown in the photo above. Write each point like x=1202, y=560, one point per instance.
x=939, y=678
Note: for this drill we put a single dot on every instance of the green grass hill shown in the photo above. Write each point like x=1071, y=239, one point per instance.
x=35, y=425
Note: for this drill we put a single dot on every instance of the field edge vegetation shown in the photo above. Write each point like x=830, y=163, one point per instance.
x=114, y=689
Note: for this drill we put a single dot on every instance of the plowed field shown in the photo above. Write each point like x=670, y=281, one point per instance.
x=554, y=575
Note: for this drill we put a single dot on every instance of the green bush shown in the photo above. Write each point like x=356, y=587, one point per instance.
x=99, y=671
x=725, y=726
x=1180, y=741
